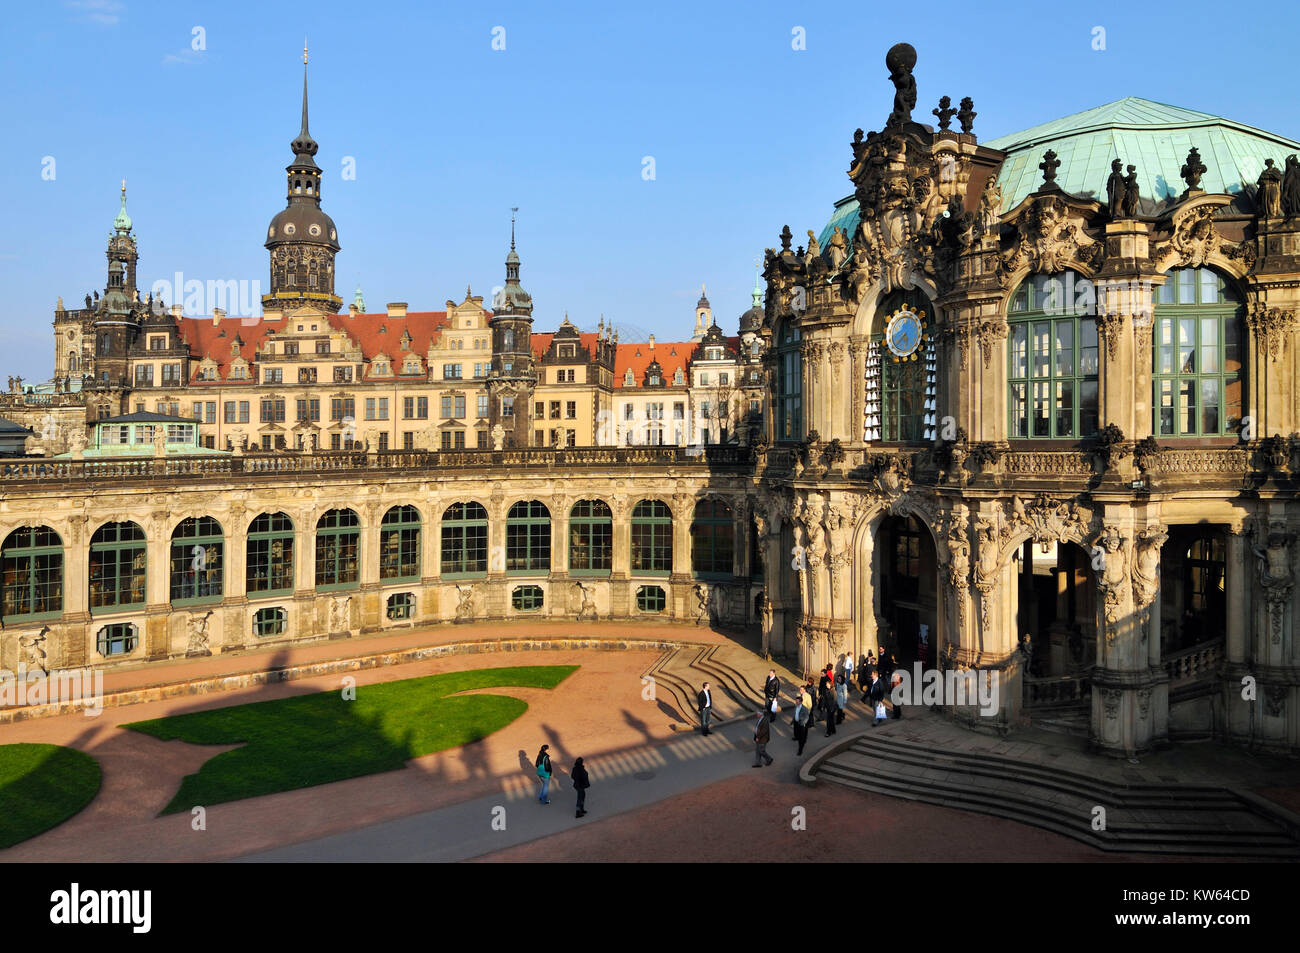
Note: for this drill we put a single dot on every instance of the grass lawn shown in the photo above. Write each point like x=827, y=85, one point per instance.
x=299, y=742
x=41, y=786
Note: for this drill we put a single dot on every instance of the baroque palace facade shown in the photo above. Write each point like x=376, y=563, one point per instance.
x=1018, y=409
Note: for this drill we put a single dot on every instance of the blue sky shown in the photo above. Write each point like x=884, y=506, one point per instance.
x=447, y=134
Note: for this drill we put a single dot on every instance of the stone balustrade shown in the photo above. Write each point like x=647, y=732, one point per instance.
x=1196, y=663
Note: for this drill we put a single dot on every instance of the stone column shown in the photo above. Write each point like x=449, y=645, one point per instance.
x=1237, y=567
x=157, y=608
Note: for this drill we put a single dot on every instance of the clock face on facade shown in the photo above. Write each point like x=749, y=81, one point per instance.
x=904, y=334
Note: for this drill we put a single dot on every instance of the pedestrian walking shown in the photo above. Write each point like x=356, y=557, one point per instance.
x=848, y=669
x=803, y=714
x=762, y=735
x=876, y=698
x=865, y=665
x=811, y=692
x=771, y=689
x=830, y=709
x=704, y=701
x=841, y=696
x=580, y=784
x=543, y=764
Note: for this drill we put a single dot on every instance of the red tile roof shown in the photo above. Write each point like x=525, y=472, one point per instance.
x=541, y=342
x=670, y=355
x=207, y=338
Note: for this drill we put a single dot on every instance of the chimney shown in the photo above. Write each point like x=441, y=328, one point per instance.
x=177, y=311
x=217, y=315
x=652, y=342
x=352, y=310
x=397, y=309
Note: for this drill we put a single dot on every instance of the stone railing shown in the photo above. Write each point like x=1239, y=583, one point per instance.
x=1060, y=690
x=1198, y=663
x=20, y=401
x=1048, y=463
x=20, y=469
x=1198, y=460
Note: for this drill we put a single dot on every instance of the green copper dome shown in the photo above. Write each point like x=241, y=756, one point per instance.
x=1152, y=136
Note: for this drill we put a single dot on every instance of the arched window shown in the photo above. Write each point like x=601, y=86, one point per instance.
x=399, y=544
x=196, y=561
x=591, y=537
x=528, y=537
x=270, y=554
x=1198, y=374
x=464, y=539
x=652, y=537
x=1052, y=348
x=117, y=566
x=74, y=363
x=338, y=541
x=789, y=373
x=713, y=539
x=32, y=560
x=900, y=387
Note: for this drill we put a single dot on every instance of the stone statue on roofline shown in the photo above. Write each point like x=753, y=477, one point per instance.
x=1291, y=187
x=1269, y=196
x=899, y=61
x=1115, y=189
x=1131, y=193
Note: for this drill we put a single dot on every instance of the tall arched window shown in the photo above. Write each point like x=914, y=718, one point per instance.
x=713, y=539
x=789, y=374
x=464, y=539
x=652, y=537
x=270, y=555
x=338, y=542
x=196, y=561
x=1198, y=373
x=1052, y=349
x=900, y=391
x=117, y=567
x=399, y=544
x=591, y=538
x=528, y=537
x=32, y=560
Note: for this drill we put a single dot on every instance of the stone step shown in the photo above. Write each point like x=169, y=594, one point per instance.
x=984, y=764
x=1177, y=819
x=1198, y=845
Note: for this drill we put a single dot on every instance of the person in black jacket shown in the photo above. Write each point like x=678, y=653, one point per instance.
x=830, y=708
x=704, y=703
x=875, y=696
x=771, y=688
x=580, y=784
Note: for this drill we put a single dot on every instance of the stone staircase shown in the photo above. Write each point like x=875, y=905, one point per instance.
x=1140, y=818
x=736, y=679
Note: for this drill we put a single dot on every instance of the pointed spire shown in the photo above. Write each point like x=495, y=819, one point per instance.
x=358, y=301
x=123, y=221
x=513, y=212
x=757, y=293
x=304, y=144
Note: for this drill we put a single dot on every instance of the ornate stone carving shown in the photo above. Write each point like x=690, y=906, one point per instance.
x=1275, y=700
x=1110, y=327
x=1050, y=239
x=1146, y=573
x=989, y=333
x=1047, y=519
x=587, y=602
x=1268, y=199
x=465, y=602
x=340, y=614
x=702, y=594
x=838, y=528
x=986, y=569
x=991, y=205
x=1272, y=326
x=966, y=115
x=1275, y=574
x=32, y=651
x=197, y=630
x=1113, y=576
x=1194, y=240
x=1192, y=170
x=900, y=60
x=1110, y=698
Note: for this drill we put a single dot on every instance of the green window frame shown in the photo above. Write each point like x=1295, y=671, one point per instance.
x=269, y=561
x=651, y=599
x=1198, y=370
x=1052, y=360
x=591, y=538
x=528, y=537
x=713, y=540
x=401, y=605
x=118, y=567
x=464, y=540
x=652, y=538
x=270, y=620
x=527, y=598
x=338, y=544
x=789, y=367
x=32, y=573
x=120, y=638
x=196, y=571
x=399, y=544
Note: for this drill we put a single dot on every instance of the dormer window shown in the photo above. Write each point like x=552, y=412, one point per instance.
x=568, y=350
x=628, y=379
x=678, y=378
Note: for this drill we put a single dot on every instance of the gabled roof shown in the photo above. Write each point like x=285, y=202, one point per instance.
x=207, y=340
x=671, y=355
x=541, y=343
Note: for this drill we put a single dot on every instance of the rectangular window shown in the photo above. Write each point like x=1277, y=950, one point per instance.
x=144, y=375
x=481, y=439
x=383, y=441
x=274, y=375
x=343, y=375
x=272, y=410
x=571, y=409
x=306, y=375
x=342, y=407
x=482, y=405
x=555, y=410
x=370, y=408
x=383, y=409
x=446, y=440
x=290, y=348
x=539, y=410
x=507, y=406
x=446, y=406
x=408, y=440
x=460, y=406
x=451, y=372
x=1052, y=378
x=322, y=347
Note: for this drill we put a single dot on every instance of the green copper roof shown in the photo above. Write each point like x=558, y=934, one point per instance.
x=1152, y=136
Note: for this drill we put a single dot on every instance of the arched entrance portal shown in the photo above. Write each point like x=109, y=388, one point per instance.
x=905, y=567
x=1194, y=606
x=1056, y=606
